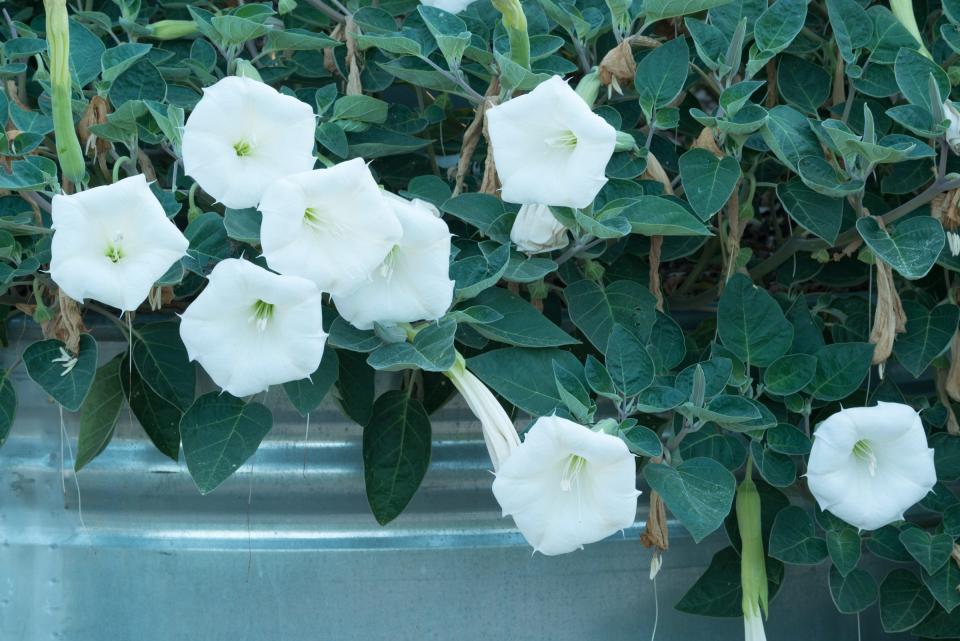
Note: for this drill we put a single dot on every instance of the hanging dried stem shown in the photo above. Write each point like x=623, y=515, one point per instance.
x=471, y=137
x=889, y=318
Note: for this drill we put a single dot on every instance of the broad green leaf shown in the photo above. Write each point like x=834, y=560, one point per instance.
x=628, y=362
x=820, y=215
x=448, y=30
x=943, y=585
x=885, y=543
x=737, y=413
x=931, y=551
x=656, y=216
x=844, y=548
x=8, y=407
x=716, y=374
x=841, y=368
x=751, y=324
x=904, y=601
x=708, y=181
x=946, y=455
x=536, y=391
x=852, y=27
x=787, y=439
x=159, y=418
x=118, y=59
x=776, y=469
x=522, y=325
x=776, y=27
x=481, y=271
x=710, y=441
x=219, y=433
x=243, y=225
x=298, y=40
x=659, y=398
x=710, y=43
x=699, y=492
x=789, y=374
x=854, y=592
x=788, y=134
x=642, y=441
x=489, y=214
x=396, y=453
x=208, y=243
x=910, y=246
x=801, y=83
x=361, y=109
x=913, y=71
x=306, y=394
x=890, y=36
x=140, y=81
x=431, y=350
x=660, y=9
x=793, y=540
x=595, y=309
x=662, y=73
x=928, y=334
x=717, y=592
x=162, y=361
x=99, y=413
x=820, y=176
x=50, y=366
x=574, y=394
x=356, y=386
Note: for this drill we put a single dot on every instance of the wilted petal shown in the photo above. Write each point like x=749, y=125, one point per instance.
x=412, y=283
x=242, y=136
x=567, y=485
x=549, y=147
x=250, y=328
x=536, y=230
x=112, y=243
x=868, y=465
x=333, y=226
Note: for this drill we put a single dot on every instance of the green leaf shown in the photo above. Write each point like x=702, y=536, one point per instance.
x=699, y=492
x=751, y=324
x=306, y=394
x=943, y=585
x=904, y=601
x=140, y=81
x=776, y=27
x=243, y=225
x=776, y=469
x=660, y=9
x=820, y=215
x=481, y=271
x=536, y=391
x=595, y=309
x=574, y=394
x=628, y=362
x=928, y=334
x=717, y=592
x=787, y=439
x=361, y=109
x=522, y=325
x=659, y=398
x=852, y=27
x=662, y=73
x=159, y=418
x=489, y=214
x=890, y=35
x=841, y=368
x=788, y=134
x=431, y=350
x=708, y=181
x=737, y=413
x=789, y=374
x=716, y=374
x=885, y=543
x=854, y=592
x=49, y=366
x=162, y=361
x=793, y=540
x=911, y=246
x=118, y=59
x=820, y=176
x=98, y=415
x=802, y=84
x=642, y=441
x=913, y=70
x=931, y=551
x=396, y=453
x=8, y=407
x=208, y=243
x=656, y=216
x=844, y=548
x=356, y=386
x=298, y=40
x=448, y=30
x=219, y=433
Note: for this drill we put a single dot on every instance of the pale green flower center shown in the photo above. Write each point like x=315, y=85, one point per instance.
x=313, y=217
x=571, y=471
x=262, y=313
x=243, y=148
x=863, y=451
x=566, y=140
x=114, y=250
x=389, y=264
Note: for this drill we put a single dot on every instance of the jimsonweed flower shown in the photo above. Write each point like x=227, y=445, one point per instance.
x=112, y=243
x=333, y=226
x=868, y=465
x=953, y=129
x=536, y=230
x=412, y=281
x=242, y=136
x=499, y=433
x=549, y=148
x=453, y=6
x=251, y=328
x=567, y=485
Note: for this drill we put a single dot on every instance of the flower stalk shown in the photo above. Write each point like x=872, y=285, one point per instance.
x=515, y=22
x=69, y=152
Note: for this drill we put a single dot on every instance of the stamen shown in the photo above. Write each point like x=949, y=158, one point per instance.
x=114, y=250
x=574, y=466
x=566, y=140
x=864, y=452
x=389, y=263
x=262, y=313
x=314, y=218
x=243, y=148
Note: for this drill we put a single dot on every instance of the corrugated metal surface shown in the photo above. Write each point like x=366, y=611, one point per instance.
x=287, y=550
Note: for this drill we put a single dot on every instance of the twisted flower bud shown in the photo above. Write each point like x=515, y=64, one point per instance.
x=753, y=571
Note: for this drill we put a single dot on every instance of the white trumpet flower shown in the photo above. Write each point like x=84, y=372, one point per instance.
x=112, y=243
x=953, y=129
x=549, y=148
x=566, y=486
x=868, y=465
x=333, y=226
x=453, y=6
x=536, y=230
x=412, y=282
x=242, y=136
x=250, y=328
